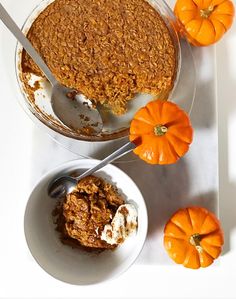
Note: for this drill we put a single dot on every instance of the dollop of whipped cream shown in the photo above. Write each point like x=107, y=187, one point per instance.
x=123, y=224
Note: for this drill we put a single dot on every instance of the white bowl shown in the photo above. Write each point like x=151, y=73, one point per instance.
x=73, y=265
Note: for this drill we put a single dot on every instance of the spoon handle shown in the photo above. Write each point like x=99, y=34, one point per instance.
x=15, y=30
x=128, y=147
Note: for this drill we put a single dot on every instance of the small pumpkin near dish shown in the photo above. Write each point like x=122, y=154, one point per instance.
x=193, y=237
x=205, y=21
x=163, y=131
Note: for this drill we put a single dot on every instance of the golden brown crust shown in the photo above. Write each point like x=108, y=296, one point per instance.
x=108, y=50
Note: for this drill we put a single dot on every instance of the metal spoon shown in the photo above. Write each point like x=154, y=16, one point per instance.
x=65, y=184
x=72, y=109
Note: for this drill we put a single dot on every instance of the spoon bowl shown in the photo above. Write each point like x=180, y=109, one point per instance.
x=61, y=186
x=74, y=110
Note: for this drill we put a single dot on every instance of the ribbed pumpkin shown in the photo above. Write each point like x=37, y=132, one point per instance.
x=193, y=237
x=163, y=131
x=205, y=21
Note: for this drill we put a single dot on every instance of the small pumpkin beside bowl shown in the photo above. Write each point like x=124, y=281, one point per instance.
x=193, y=237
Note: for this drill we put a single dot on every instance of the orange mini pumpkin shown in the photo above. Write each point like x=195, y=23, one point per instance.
x=205, y=21
x=193, y=237
x=163, y=131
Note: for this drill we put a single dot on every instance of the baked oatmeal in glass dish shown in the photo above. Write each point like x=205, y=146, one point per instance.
x=119, y=54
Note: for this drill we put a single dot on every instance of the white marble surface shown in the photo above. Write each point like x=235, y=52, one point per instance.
x=26, y=153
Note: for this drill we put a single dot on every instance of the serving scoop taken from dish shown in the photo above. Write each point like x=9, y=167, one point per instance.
x=65, y=184
x=72, y=108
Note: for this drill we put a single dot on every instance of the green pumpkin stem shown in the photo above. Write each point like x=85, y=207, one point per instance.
x=160, y=130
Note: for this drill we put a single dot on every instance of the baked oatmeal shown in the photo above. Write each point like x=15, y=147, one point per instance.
x=107, y=50
x=81, y=218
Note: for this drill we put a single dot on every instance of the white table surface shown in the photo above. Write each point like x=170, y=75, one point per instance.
x=21, y=277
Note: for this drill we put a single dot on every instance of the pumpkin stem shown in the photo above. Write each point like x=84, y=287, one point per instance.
x=195, y=240
x=205, y=13
x=160, y=130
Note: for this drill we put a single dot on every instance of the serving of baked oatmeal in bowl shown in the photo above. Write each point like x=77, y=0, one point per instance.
x=118, y=54
x=95, y=233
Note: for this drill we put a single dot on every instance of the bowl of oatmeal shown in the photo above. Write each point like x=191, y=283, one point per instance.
x=95, y=233
x=118, y=54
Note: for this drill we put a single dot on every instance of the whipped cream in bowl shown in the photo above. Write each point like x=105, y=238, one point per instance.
x=123, y=224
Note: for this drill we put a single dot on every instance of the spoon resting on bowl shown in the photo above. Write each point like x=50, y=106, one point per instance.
x=72, y=109
x=65, y=184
